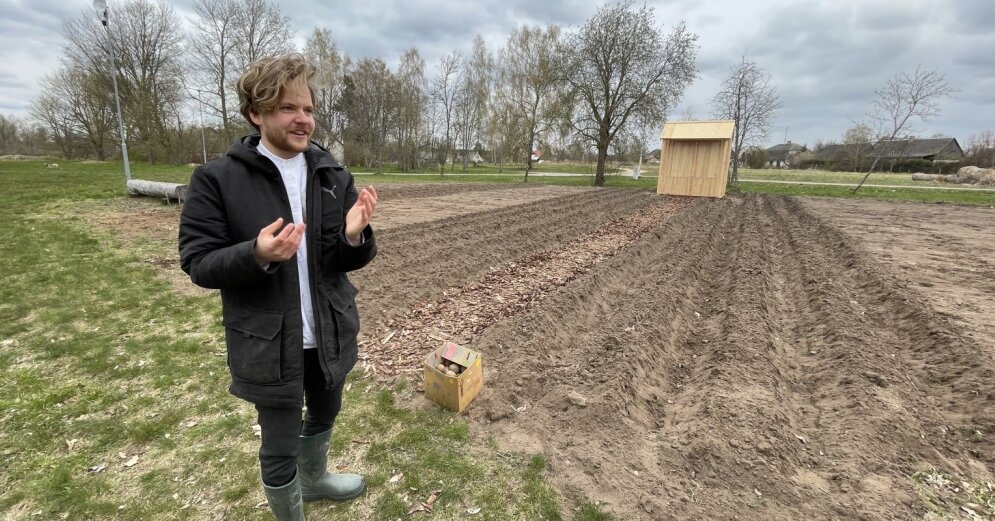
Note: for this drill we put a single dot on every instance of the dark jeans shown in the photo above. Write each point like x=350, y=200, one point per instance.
x=281, y=426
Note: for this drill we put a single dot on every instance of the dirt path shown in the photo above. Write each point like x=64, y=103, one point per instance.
x=740, y=359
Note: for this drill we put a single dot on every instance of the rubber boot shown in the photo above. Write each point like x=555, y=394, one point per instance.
x=285, y=501
x=316, y=482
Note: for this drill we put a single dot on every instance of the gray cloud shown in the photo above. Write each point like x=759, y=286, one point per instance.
x=973, y=16
x=825, y=58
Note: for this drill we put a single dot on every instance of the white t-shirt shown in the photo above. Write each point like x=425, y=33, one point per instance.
x=294, y=174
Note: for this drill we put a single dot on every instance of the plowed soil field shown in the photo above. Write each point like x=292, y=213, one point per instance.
x=753, y=357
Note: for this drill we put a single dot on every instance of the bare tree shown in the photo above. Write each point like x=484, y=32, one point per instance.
x=858, y=141
x=502, y=130
x=9, y=134
x=903, y=100
x=85, y=97
x=688, y=114
x=149, y=48
x=55, y=114
x=529, y=72
x=146, y=43
x=368, y=106
x=474, y=93
x=92, y=105
x=443, y=95
x=411, y=101
x=323, y=53
x=747, y=98
x=211, y=51
x=261, y=30
x=620, y=65
x=981, y=149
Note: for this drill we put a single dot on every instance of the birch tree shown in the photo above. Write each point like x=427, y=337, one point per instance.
x=443, y=94
x=410, y=100
x=322, y=52
x=529, y=73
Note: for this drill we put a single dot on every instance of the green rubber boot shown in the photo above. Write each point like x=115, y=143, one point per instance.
x=285, y=501
x=316, y=482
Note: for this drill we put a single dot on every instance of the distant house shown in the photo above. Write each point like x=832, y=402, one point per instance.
x=779, y=156
x=653, y=158
x=933, y=149
x=536, y=155
x=474, y=158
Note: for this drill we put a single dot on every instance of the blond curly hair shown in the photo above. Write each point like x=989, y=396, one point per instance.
x=262, y=85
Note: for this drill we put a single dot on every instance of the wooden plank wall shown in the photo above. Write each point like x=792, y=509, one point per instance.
x=694, y=167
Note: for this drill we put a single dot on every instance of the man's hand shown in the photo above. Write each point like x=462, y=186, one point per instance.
x=277, y=247
x=360, y=214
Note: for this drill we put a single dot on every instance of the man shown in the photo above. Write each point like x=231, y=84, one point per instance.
x=276, y=225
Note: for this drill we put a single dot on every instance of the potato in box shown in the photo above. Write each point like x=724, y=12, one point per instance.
x=453, y=392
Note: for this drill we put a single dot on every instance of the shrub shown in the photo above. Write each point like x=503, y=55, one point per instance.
x=756, y=159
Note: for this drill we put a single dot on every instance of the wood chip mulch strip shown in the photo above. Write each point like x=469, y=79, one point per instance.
x=464, y=312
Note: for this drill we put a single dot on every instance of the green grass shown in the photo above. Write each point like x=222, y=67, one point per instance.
x=102, y=362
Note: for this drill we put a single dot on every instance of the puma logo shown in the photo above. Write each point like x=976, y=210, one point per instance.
x=331, y=191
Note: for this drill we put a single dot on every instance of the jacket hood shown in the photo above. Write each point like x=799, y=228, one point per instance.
x=246, y=151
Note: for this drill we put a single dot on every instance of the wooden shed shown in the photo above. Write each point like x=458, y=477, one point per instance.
x=695, y=158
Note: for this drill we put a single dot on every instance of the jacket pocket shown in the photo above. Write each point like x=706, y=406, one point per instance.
x=254, y=345
x=345, y=314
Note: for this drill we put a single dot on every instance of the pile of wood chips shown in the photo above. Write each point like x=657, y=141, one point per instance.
x=399, y=349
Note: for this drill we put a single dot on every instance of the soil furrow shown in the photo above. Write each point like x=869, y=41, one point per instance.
x=947, y=373
x=871, y=417
x=837, y=373
x=606, y=340
x=741, y=356
x=463, y=312
x=418, y=262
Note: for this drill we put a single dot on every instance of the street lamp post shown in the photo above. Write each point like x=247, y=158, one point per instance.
x=101, y=7
x=203, y=140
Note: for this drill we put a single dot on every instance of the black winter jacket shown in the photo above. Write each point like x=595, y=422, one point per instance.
x=228, y=202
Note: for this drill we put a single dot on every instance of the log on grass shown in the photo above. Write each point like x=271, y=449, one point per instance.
x=157, y=189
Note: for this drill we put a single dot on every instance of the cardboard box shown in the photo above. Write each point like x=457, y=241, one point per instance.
x=453, y=392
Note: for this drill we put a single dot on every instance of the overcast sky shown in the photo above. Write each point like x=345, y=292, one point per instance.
x=826, y=58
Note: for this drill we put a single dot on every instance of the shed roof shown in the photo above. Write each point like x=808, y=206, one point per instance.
x=719, y=129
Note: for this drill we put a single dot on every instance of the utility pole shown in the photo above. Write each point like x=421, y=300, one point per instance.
x=101, y=7
x=203, y=140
